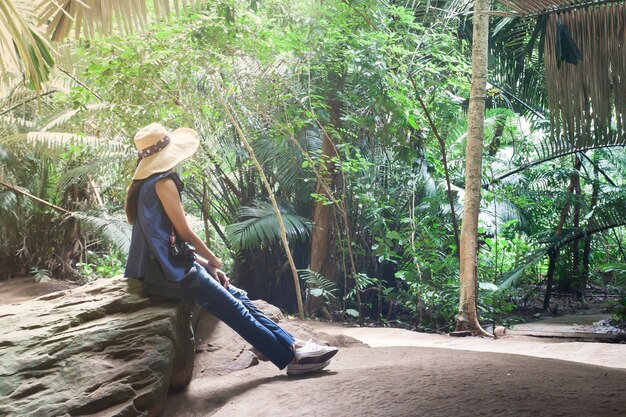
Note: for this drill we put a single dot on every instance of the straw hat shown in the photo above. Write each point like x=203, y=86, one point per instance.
x=160, y=150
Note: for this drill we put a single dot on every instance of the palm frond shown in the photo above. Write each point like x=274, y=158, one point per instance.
x=61, y=139
x=433, y=10
x=285, y=161
x=85, y=173
x=260, y=227
x=114, y=229
x=16, y=96
x=493, y=214
x=17, y=121
x=511, y=277
x=534, y=7
x=516, y=66
x=587, y=101
x=14, y=93
x=498, y=212
x=65, y=117
x=22, y=48
x=96, y=16
x=606, y=217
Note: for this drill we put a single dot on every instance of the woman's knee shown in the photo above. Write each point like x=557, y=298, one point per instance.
x=212, y=295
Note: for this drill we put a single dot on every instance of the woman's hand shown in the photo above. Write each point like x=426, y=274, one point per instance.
x=219, y=276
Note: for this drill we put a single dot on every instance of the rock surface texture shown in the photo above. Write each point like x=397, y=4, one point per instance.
x=99, y=350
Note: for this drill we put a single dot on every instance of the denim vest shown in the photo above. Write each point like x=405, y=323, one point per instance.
x=151, y=235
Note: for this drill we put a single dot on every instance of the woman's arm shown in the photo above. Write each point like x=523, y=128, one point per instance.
x=170, y=199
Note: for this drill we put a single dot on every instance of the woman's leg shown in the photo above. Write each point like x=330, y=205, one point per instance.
x=253, y=326
x=285, y=337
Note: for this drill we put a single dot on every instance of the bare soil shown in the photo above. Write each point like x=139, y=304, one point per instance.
x=411, y=381
x=406, y=373
x=22, y=289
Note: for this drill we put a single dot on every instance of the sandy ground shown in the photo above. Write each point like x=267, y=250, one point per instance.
x=405, y=373
x=412, y=381
x=601, y=354
x=22, y=289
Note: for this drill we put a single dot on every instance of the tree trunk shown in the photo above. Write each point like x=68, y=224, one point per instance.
x=72, y=249
x=323, y=214
x=584, y=276
x=559, y=229
x=575, y=277
x=467, y=318
x=587, y=249
x=552, y=256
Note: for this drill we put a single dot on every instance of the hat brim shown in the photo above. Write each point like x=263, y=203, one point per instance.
x=183, y=144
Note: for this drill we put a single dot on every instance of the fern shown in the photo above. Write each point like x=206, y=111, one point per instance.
x=17, y=121
x=68, y=115
x=260, y=227
x=114, y=229
x=319, y=286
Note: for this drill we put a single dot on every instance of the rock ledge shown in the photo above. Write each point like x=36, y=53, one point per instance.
x=100, y=350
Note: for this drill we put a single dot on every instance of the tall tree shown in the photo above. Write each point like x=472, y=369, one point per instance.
x=467, y=318
x=323, y=213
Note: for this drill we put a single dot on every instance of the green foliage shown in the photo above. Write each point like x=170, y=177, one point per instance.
x=63, y=169
x=495, y=305
x=616, y=267
x=104, y=265
x=319, y=285
x=369, y=75
x=114, y=229
x=40, y=274
x=259, y=227
x=432, y=301
x=619, y=306
x=619, y=310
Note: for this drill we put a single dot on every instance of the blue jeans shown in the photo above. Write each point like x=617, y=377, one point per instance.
x=234, y=308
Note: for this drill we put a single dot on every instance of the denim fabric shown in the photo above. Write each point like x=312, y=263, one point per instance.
x=151, y=235
x=234, y=308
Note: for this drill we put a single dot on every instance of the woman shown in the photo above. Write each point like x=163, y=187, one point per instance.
x=192, y=274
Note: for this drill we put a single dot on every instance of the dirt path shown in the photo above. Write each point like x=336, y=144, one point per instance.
x=601, y=354
x=22, y=289
x=411, y=381
x=414, y=374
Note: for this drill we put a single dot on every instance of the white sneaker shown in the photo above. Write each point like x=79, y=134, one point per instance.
x=299, y=369
x=312, y=352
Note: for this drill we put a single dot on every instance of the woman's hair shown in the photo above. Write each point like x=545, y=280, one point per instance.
x=132, y=198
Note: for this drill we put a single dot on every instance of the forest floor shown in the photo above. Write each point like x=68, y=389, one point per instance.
x=404, y=373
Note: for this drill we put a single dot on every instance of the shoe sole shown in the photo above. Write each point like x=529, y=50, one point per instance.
x=318, y=359
x=299, y=369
